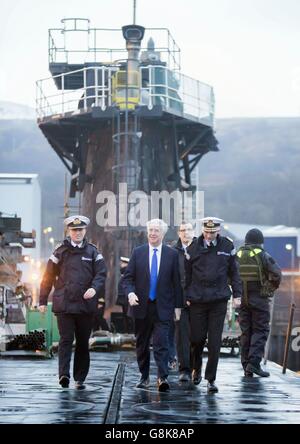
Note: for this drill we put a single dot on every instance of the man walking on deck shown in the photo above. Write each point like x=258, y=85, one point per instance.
x=77, y=271
x=211, y=273
x=261, y=276
x=153, y=288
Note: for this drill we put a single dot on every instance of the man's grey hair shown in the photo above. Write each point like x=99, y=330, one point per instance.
x=158, y=222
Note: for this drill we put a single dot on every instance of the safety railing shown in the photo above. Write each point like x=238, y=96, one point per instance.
x=104, y=87
x=177, y=93
x=95, y=91
x=77, y=42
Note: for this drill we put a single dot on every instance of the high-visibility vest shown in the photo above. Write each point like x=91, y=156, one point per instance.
x=251, y=267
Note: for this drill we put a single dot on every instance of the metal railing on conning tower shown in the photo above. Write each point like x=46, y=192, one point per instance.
x=105, y=86
x=76, y=43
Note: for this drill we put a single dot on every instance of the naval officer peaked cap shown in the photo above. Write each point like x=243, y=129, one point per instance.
x=77, y=221
x=211, y=224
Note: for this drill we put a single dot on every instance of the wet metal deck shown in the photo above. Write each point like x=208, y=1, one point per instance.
x=29, y=393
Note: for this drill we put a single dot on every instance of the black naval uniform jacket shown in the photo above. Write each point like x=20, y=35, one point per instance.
x=211, y=271
x=72, y=271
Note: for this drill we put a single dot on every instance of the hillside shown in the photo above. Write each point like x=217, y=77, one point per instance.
x=23, y=149
x=254, y=178
x=11, y=111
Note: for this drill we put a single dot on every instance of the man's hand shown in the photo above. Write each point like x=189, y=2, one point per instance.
x=42, y=309
x=133, y=299
x=188, y=303
x=89, y=294
x=237, y=302
x=177, y=314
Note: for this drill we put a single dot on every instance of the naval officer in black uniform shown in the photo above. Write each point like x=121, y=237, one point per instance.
x=77, y=271
x=212, y=276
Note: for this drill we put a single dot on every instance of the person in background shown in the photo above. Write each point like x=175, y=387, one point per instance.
x=182, y=327
x=172, y=365
x=261, y=276
x=99, y=320
x=122, y=299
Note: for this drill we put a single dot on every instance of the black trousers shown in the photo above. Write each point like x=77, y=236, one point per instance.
x=183, y=345
x=254, y=319
x=207, y=321
x=80, y=326
x=146, y=328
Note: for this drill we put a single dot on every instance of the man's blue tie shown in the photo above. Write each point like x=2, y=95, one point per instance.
x=153, y=276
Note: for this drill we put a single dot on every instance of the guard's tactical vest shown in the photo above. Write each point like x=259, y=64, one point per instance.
x=252, y=269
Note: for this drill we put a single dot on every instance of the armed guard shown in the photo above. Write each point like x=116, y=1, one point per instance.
x=210, y=267
x=261, y=276
x=77, y=271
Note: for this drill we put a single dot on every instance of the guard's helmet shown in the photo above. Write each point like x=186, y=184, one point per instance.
x=254, y=237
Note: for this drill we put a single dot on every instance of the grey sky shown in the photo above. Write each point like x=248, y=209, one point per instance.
x=249, y=50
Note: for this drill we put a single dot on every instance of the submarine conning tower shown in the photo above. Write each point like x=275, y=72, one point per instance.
x=118, y=113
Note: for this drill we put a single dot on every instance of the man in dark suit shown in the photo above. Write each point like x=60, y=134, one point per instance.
x=182, y=327
x=152, y=284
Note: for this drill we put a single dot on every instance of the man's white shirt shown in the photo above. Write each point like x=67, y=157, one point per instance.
x=132, y=295
x=207, y=244
x=76, y=245
x=158, y=254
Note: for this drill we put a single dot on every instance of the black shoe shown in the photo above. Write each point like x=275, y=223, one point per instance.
x=211, y=387
x=79, y=385
x=64, y=381
x=251, y=368
x=184, y=377
x=143, y=383
x=163, y=385
x=248, y=374
x=196, y=377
